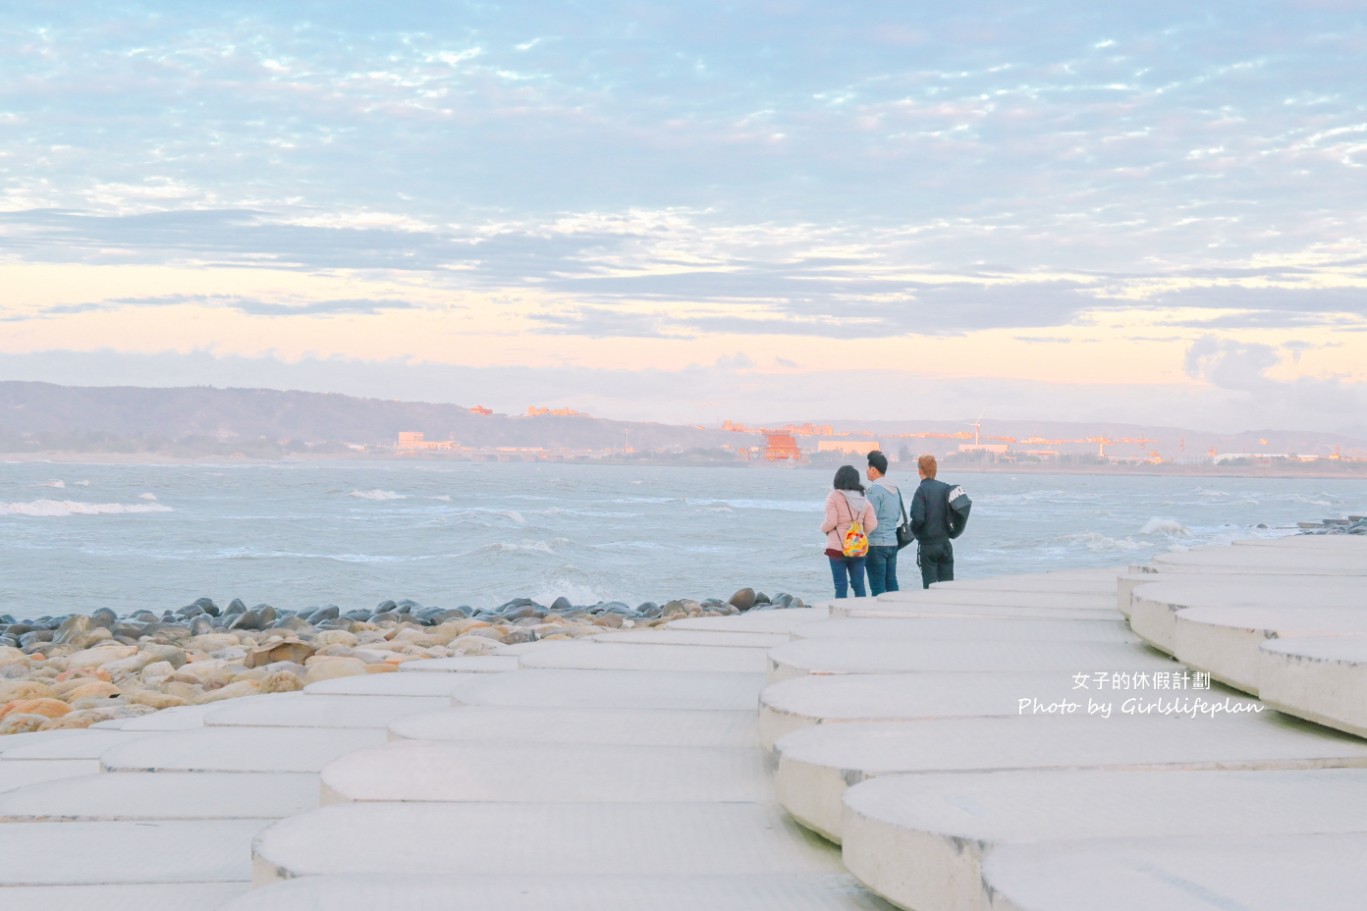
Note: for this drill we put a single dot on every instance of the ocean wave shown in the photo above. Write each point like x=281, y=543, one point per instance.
x=500, y=547
x=444, y=497
x=1097, y=542
x=588, y=513
x=147, y=496
x=55, y=484
x=812, y=506
x=1161, y=526
x=63, y=508
x=377, y=495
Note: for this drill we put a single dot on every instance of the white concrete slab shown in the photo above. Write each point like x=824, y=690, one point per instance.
x=413, y=770
x=1044, y=596
x=921, y=840
x=1331, y=544
x=181, y=718
x=401, y=840
x=1154, y=605
x=714, y=638
x=1226, y=641
x=1263, y=561
x=106, y=897
x=153, y=795
x=462, y=664
x=234, y=749
x=970, y=629
x=1273, y=873
x=390, y=685
x=91, y=853
x=616, y=690
x=325, y=711
x=816, y=765
x=623, y=727
x=610, y=656
x=864, y=608
x=86, y=744
x=1322, y=680
x=11, y=742
x=785, y=892
x=811, y=700
x=767, y=621
x=1095, y=581
x=20, y=774
x=859, y=656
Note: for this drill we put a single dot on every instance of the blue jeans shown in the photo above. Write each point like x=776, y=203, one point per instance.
x=854, y=568
x=882, y=566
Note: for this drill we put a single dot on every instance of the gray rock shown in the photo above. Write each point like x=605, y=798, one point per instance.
x=561, y=604
x=104, y=617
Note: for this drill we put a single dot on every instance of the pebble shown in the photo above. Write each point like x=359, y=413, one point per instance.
x=76, y=670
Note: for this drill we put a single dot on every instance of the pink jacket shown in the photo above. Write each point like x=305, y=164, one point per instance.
x=840, y=511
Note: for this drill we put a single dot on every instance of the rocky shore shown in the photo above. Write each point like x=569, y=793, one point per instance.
x=76, y=670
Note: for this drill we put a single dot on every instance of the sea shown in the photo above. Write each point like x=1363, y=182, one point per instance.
x=77, y=537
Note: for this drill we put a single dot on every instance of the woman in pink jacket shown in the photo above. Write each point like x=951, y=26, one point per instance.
x=844, y=505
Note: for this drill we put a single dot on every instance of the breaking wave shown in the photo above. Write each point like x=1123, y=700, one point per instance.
x=1160, y=526
x=376, y=495
x=62, y=508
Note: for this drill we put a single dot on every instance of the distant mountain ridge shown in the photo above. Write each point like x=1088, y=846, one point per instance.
x=45, y=417
x=89, y=418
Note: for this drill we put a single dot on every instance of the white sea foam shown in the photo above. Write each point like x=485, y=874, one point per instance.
x=1161, y=526
x=82, y=483
x=57, y=484
x=62, y=508
x=444, y=497
x=376, y=495
x=147, y=496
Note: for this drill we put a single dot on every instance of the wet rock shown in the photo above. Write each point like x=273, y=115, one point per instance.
x=35, y=638
x=74, y=626
x=104, y=617
x=744, y=599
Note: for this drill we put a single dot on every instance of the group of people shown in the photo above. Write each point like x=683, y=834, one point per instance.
x=880, y=510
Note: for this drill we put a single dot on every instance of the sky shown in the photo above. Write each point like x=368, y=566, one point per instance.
x=689, y=212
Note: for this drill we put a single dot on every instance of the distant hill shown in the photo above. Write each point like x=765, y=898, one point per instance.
x=203, y=420
x=48, y=417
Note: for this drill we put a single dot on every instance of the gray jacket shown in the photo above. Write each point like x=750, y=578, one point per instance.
x=886, y=500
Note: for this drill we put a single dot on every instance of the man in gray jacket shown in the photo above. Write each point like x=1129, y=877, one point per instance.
x=886, y=500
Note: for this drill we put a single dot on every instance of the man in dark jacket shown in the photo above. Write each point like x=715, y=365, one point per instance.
x=932, y=522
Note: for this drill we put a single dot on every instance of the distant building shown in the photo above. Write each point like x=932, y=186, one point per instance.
x=411, y=441
x=854, y=447
x=535, y=412
x=480, y=409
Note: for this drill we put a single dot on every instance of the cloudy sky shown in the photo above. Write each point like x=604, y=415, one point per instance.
x=693, y=211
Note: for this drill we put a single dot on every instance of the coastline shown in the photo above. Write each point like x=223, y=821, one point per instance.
x=1348, y=471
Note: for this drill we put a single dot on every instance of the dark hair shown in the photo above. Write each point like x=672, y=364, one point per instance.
x=879, y=461
x=847, y=478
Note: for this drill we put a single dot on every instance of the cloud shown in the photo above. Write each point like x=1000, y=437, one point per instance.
x=1229, y=364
